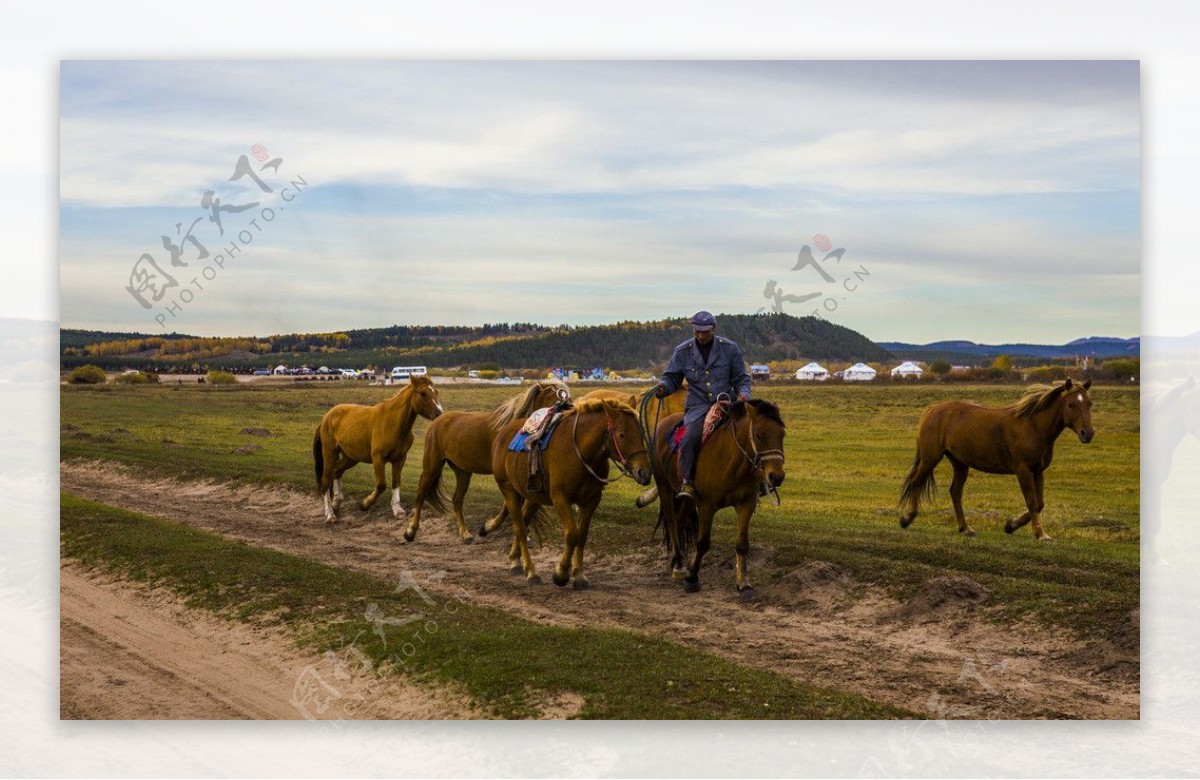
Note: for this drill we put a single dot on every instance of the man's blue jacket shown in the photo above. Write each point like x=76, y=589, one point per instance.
x=725, y=372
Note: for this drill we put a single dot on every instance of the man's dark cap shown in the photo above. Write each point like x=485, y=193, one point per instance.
x=703, y=321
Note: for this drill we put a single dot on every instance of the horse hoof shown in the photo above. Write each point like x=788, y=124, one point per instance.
x=905, y=522
x=468, y=540
x=676, y=574
x=534, y=579
x=690, y=586
x=1045, y=538
x=581, y=584
x=747, y=593
x=516, y=570
x=483, y=531
x=1008, y=527
x=969, y=531
x=409, y=535
x=560, y=579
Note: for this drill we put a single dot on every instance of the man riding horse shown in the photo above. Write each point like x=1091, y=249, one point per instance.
x=714, y=367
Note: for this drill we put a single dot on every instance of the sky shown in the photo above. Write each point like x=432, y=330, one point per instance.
x=991, y=201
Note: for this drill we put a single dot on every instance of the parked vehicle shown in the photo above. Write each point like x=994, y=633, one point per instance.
x=407, y=372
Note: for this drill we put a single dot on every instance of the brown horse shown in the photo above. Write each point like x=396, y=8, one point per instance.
x=1018, y=439
x=382, y=434
x=574, y=474
x=739, y=459
x=658, y=409
x=464, y=441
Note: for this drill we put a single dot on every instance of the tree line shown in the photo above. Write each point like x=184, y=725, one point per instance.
x=626, y=345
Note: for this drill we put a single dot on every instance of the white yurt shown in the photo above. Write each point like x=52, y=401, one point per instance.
x=813, y=372
x=907, y=369
x=859, y=372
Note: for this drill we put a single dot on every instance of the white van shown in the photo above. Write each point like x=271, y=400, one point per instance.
x=407, y=372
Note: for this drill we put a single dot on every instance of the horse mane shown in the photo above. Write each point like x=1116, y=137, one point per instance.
x=763, y=408
x=598, y=404
x=519, y=405
x=1036, y=399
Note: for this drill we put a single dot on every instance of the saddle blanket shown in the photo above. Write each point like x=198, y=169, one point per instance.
x=520, y=442
x=716, y=417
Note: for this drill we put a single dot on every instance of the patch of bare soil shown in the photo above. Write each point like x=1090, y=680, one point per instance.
x=941, y=596
x=131, y=652
x=817, y=625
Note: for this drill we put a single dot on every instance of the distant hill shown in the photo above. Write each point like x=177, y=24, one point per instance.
x=621, y=346
x=968, y=352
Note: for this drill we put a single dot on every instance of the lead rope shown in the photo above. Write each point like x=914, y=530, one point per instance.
x=650, y=432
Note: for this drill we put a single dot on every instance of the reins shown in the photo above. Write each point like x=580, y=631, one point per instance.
x=621, y=461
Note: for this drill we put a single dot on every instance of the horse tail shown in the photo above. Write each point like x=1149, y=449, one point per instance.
x=541, y=525
x=430, y=490
x=687, y=526
x=318, y=457
x=920, y=490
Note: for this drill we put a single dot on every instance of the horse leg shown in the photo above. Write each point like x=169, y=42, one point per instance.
x=1029, y=482
x=745, y=511
x=961, y=472
x=1038, y=484
x=462, y=481
x=691, y=582
x=379, y=465
x=398, y=466
x=666, y=516
x=341, y=465
x=525, y=514
x=674, y=541
x=491, y=525
x=566, y=515
x=584, y=525
x=329, y=456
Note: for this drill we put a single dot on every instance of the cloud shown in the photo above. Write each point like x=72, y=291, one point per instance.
x=580, y=192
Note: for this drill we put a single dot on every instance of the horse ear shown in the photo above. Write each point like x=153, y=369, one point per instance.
x=1067, y=385
x=1087, y=383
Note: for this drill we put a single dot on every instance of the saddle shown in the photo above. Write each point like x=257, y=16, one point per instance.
x=535, y=435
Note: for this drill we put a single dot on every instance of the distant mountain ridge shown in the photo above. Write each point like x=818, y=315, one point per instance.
x=1089, y=346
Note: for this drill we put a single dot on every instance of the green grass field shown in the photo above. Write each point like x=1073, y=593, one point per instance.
x=847, y=447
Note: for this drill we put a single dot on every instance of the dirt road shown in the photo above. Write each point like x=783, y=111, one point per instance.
x=128, y=652
x=934, y=655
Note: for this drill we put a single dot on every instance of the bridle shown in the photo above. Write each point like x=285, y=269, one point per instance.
x=621, y=459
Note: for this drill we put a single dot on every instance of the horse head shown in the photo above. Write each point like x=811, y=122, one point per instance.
x=1076, y=409
x=767, y=429
x=631, y=447
x=425, y=397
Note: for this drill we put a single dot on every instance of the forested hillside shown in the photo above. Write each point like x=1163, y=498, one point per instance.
x=622, y=346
